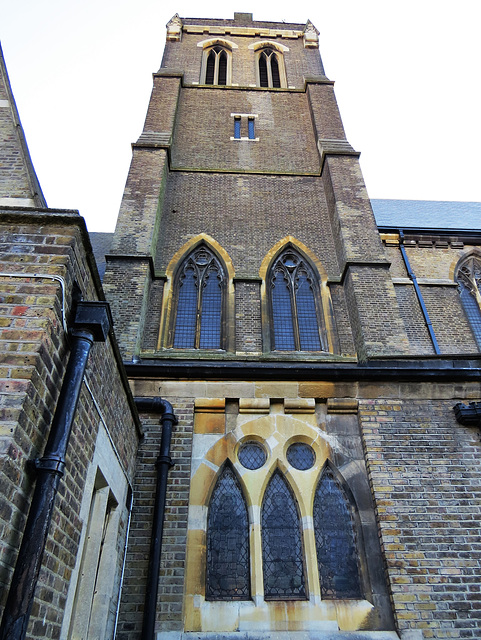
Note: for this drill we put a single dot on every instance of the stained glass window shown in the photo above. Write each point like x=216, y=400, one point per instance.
x=469, y=281
x=200, y=283
x=337, y=555
x=252, y=456
x=282, y=554
x=294, y=309
x=228, y=573
x=301, y=456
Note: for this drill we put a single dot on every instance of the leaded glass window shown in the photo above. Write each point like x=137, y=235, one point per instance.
x=301, y=456
x=216, y=66
x=269, y=74
x=252, y=455
x=282, y=553
x=295, y=316
x=469, y=284
x=337, y=555
x=228, y=573
x=200, y=284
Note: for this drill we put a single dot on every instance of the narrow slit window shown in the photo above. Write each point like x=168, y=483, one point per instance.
x=251, y=128
x=237, y=128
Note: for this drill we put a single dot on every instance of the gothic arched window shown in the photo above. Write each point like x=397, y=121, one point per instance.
x=228, y=572
x=468, y=278
x=216, y=66
x=270, y=63
x=337, y=554
x=294, y=304
x=282, y=554
x=200, y=285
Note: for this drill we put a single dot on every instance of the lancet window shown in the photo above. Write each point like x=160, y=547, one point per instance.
x=200, y=292
x=295, y=304
x=337, y=555
x=216, y=69
x=228, y=569
x=469, y=284
x=270, y=72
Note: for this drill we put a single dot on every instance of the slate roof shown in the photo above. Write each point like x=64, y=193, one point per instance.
x=101, y=243
x=427, y=214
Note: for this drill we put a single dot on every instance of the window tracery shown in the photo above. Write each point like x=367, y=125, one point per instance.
x=269, y=67
x=295, y=315
x=468, y=278
x=216, y=67
x=200, y=294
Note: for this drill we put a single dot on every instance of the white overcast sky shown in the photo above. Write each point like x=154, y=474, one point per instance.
x=407, y=76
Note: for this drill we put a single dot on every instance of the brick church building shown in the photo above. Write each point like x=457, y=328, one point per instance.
x=274, y=430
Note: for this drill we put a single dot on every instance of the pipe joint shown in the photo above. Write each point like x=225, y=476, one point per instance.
x=169, y=416
x=165, y=460
x=52, y=464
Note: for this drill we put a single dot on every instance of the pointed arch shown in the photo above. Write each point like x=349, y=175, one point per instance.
x=468, y=276
x=297, y=307
x=337, y=548
x=227, y=562
x=198, y=309
x=216, y=67
x=282, y=549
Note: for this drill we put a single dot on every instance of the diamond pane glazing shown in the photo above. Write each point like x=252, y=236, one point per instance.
x=336, y=547
x=228, y=573
x=282, y=554
x=252, y=456
x=301, y=456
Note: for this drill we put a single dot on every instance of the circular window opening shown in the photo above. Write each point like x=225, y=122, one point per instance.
x=301, y=456
x=252, y=455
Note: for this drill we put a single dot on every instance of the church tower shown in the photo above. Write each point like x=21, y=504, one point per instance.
x=246, y=269
x=251, y=290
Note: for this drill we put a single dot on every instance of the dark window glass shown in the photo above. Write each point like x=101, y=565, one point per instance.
x=210, y=70
x=337, y=555
x=252, y=456
x=294, y=310
x=282, y=554
x=222, y=68
x=251, y=128
x=306, y=315
x=282, y=314
x=301, y=456
x=276, y=79
x=237, y=128
x=185, y=325
x=471, y=308
x=198, y=322
x=263, y=77
x=469, y=281
x=227, y=542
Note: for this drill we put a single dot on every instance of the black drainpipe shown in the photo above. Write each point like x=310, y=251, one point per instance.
x=419, y=295
x=164, y=462
x=92, y=324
